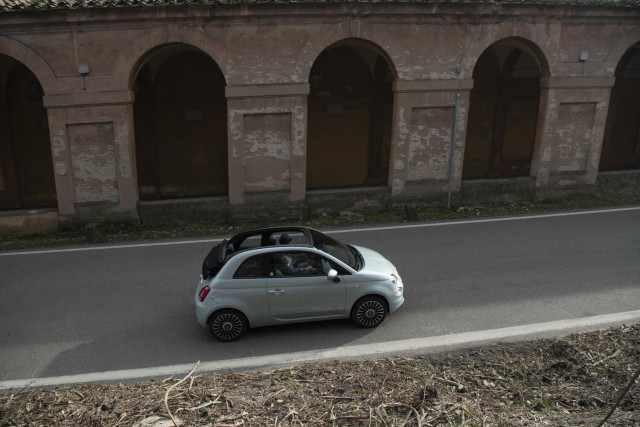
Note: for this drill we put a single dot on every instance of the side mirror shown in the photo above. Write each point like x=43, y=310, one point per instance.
x=333, y=275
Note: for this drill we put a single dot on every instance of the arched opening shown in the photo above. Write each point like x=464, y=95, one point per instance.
x=350, y=112
x=181, y=125
x=621, y=144
x=503, y=112
x=26, y=165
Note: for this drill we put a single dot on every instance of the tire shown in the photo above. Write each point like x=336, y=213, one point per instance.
x=369, y=312
x=228, y=325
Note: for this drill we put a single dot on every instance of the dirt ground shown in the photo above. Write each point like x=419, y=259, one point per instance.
x=573, y=381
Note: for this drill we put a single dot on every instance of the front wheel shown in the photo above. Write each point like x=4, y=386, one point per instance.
x=369, y=312
x=228, y=325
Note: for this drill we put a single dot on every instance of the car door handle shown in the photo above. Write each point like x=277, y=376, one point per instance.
x=276, y=291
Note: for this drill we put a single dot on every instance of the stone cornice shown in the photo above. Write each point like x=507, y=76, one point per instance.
x=576, y=82
x=267, y=90
x=82, y=99
x=432, y=85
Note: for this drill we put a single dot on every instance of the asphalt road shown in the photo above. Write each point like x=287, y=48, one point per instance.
x=131, y=306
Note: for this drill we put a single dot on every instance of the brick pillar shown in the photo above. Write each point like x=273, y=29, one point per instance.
x=571, y=123
x=423, y=118
x=267, y=142
x=93, y=149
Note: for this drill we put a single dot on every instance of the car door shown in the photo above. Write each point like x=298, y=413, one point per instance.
x=301, y=290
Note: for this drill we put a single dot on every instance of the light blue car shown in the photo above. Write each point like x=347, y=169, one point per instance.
x=283, y=275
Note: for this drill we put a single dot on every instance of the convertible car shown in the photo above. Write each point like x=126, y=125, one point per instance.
x=283, y=275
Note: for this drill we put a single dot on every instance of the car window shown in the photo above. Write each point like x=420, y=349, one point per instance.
x=255, y=266
x=296, y=238
x=302, y=263
x=253, y=241
x=335, y=248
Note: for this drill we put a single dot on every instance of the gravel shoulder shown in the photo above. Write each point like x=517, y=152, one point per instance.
x=571, y=381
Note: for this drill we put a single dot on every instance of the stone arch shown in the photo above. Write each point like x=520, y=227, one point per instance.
x=26, y=166
x=180, y=114
x=626, y=42
x=350, y=109
x=130, y=60
x=30, y=59
x=544, y=49
x=503, y=111
x=621, y=142
x=341, y=32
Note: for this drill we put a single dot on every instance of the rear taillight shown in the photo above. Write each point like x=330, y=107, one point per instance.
x=203, y=293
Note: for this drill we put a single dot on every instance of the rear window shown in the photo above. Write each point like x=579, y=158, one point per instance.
x=297, y=238
x=250, y=242
x=255, y=266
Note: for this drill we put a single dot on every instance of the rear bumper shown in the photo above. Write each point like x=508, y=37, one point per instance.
x=203, y=311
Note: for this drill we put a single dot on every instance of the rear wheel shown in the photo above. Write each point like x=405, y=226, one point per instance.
x=369, y=312
x=228, y=325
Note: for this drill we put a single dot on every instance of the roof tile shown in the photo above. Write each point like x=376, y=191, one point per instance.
x=32, y=5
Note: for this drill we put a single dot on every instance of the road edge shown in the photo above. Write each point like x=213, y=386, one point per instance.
x=414, y=346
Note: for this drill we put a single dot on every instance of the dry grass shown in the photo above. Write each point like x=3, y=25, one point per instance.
x=573, y=381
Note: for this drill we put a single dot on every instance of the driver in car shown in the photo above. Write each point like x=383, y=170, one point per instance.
x=285, y=264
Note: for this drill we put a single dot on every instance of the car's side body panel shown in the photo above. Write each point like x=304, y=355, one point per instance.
x=246, y=296
x=305, y=298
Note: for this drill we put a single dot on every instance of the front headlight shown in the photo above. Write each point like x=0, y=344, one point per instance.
x=394, y=279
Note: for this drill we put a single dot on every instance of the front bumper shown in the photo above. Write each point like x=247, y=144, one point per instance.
x=395, y=304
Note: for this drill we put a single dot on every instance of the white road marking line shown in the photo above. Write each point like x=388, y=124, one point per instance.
x=410, y=346
x=102, y=248
x=353, y=230
x=483, y=220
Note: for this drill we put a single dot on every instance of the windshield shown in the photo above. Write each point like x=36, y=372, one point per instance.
x=333, y=247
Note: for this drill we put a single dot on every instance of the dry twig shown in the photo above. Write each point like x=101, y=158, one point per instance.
x=557, y=382
x=166, y=395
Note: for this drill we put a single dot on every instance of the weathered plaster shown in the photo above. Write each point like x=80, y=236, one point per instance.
x=267, y=139
x=267, y=147
x=574, y=127
x=430, y=143
x=93, y=162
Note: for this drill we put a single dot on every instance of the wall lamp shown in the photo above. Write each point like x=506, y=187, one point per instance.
x=83, y=69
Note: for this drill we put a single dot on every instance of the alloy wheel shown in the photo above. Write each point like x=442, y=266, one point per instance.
x=227, y=326
x=370, y=313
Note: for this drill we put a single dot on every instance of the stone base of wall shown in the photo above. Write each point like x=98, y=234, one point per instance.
x=88, y=213
x=213, y=209
x=496, y=190
x=506, y=190
x=623, y=182
x=562, y=192
x=359, y=199
x=27, y=222
x=267, y=208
